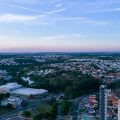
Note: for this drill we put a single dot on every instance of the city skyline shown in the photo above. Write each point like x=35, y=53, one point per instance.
x=60, y=26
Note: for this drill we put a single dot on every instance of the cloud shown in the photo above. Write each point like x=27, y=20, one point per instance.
x=52, y=42
x=46, y=19
x=35, y=1
x=23, y=8
x=27, y=1
x=36, y=11
x=56, y=11
x=107, y=10
x=65, y=36
x=97, y=6
x=115, y=9
x=58, y=5
x=15, y=18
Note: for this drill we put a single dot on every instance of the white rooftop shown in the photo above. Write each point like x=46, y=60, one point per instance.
x=10, y=86
x=18, y=89
x=27, y=79
x=29, y=91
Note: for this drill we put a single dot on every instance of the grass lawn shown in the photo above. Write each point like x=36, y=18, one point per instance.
x=5, y=111
x=44, y=107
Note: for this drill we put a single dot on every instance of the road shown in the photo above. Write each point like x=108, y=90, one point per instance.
x=34, y=103
x=15, y=118
x=11, y=115
x=75, y=110
x=16, y=112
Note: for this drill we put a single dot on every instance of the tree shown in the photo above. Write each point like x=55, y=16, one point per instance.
x=7, y=95
x=52, y=101
x=54, y=110
x=26, y=113
x=2, y=96
x=37, y=117
x=65, y=107
x=24, y=103
x=46, y=116
x=9, y=106
x=51, y=115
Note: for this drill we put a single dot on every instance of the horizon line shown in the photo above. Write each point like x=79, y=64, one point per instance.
x=62, y=52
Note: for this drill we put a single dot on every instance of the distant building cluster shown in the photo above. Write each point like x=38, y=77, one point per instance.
x=108, y=70
x=104, y=107
x=4, y=75
x=41, y=73
x=9, y=61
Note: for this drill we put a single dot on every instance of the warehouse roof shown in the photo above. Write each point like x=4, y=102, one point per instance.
x=29, y=91
x=18, y=89
x=10, y=86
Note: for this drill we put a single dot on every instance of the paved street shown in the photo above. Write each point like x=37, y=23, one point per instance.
x=14, y=115
x=16, y=112
x=15, y=118
x=75, y=110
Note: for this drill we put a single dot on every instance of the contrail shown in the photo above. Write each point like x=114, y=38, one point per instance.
x=53, y=12
x=24, y=8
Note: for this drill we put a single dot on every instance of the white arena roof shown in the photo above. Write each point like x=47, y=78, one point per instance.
x=10, y=86
x=29, y=91
x=17, y=89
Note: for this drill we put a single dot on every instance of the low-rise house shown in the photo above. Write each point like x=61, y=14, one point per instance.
x=7, y=78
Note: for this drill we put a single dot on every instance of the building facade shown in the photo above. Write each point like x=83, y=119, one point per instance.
x=103, y=102
x=118, y=109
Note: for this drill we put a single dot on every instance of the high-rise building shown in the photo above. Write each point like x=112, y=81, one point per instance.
x=103, y=102
x=118, y=109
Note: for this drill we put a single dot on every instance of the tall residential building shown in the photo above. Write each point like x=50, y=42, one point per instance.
x=103, y=102
x=118, y=109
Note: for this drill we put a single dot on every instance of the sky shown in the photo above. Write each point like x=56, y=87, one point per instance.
x=59, y=25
